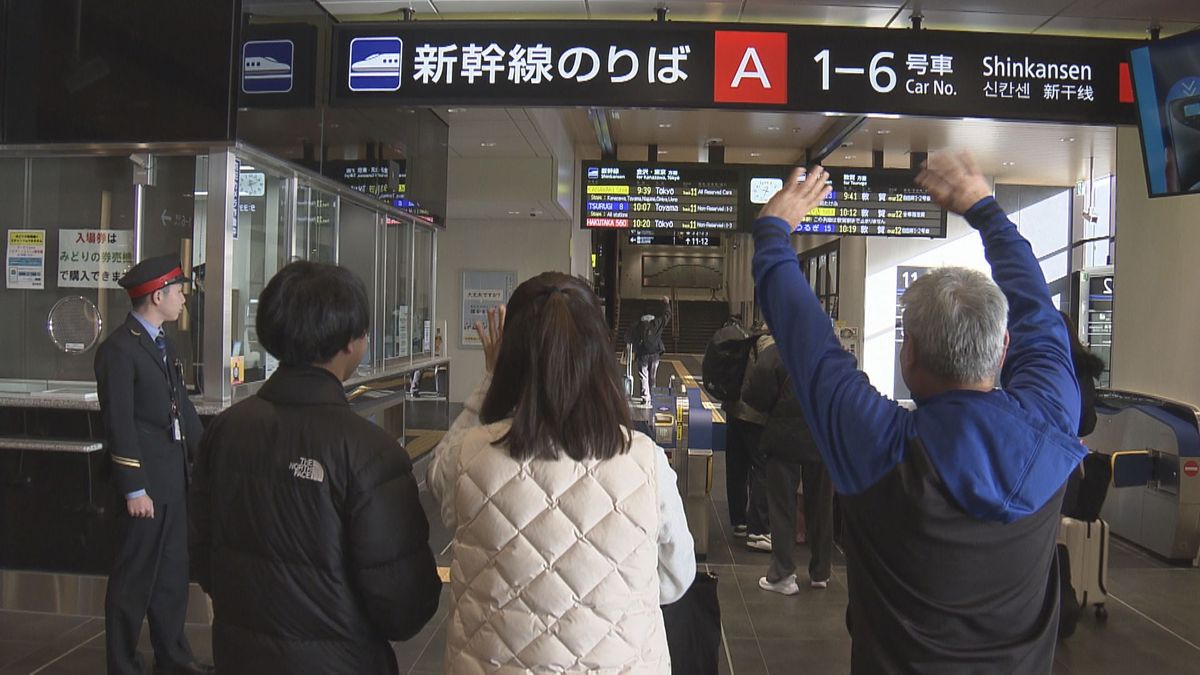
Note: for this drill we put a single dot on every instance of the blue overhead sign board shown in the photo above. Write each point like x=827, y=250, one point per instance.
x=267, y=66
x=375, y=63
x=278, y=66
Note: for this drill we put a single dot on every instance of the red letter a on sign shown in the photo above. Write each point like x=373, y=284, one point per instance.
x=750, y=67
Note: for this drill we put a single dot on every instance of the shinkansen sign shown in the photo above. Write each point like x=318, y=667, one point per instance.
x=691, y=65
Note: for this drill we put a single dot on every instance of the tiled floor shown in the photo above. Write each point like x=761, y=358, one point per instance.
x=1153, y=625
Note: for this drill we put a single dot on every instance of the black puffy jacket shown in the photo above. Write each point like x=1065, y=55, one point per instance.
x=786, y=435
x=308, y=534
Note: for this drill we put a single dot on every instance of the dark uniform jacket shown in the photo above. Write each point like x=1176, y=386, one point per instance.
x=646, y=335
x=136, y=391
x=768, y=388
x=309, y=534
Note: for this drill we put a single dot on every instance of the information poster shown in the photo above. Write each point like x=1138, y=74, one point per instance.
x=905, y=276
x=25, y=262
x=482, y=291
x=93, y=258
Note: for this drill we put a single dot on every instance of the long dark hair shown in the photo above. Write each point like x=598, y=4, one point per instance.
x=1087, y=364
x=557, y=376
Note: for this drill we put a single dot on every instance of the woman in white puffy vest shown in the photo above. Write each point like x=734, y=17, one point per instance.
x=568, y=528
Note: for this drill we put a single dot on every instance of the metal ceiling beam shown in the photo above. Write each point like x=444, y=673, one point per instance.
x=832, y=138
x=599, y=119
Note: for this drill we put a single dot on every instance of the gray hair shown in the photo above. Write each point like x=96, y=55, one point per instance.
x=956, y=318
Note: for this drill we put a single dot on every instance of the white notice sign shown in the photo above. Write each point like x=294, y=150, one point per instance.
x=93, y=258
x=25, y=263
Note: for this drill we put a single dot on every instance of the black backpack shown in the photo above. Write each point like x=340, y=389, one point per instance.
x=724, y=364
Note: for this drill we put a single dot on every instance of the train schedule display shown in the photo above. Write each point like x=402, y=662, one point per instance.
x=645, y=196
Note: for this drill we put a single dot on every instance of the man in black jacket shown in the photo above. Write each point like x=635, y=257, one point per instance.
x=648, y=347
x=792, y=459
x=151, y=427
x=309, y=533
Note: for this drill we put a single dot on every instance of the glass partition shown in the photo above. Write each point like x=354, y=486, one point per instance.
x=80, y=217
x=422, y=316
x=80, y=221
x=260, y=248
x=397, y=288
x=316, y=224
x=358, y=229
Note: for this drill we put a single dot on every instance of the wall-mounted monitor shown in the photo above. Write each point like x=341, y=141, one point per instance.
x=654, y=196
x=674, y=238
x=864, y=202
x=1166, y=86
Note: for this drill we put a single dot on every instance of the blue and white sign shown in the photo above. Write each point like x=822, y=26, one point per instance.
x=375, y=63
x=267, y=66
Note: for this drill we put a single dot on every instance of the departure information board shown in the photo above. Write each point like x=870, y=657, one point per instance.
x=673, y=238
x=646, y=196
x=864, y=202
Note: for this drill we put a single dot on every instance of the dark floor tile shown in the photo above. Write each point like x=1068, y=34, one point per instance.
x=433, y=655
x=746, y=656
x=37, y=627
x=50, y=642
x=806, y=657
x=85, y=661
x=1125, y=643
x=13, y=650
x=794, y=619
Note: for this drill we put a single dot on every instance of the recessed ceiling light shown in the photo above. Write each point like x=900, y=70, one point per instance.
x=773, y=127
x=662, y=152
x=883, y=116
x=756, y=154
x=664, y=125
x=847, y=144
x=456, y=110
x=883, y=132
x=849, y=156
x=487, y=144
x=334, y=125
x=1007, y=163
x=797, y=130
x=514, y=213
x=1067, y=140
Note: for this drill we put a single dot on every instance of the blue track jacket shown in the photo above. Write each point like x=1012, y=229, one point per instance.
x=1001, y=454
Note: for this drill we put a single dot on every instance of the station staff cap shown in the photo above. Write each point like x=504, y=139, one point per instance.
x=151, y=275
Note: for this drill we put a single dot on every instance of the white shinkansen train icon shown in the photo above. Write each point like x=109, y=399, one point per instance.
x=257, y=67
x=377, y=64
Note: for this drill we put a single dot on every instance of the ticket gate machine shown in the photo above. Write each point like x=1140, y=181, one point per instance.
x=1155, y=445
x=678, y=421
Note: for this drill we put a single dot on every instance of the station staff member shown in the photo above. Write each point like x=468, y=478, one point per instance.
x=151, y=429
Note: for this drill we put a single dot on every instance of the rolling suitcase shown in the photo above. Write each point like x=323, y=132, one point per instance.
x=1087, y=543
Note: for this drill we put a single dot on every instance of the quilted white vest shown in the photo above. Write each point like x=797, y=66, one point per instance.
x=555, y=563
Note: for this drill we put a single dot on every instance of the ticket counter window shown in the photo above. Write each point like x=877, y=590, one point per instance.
x=397, y=299
x=72, y=224
x=316, y=224
x=260, y=248
x=358, y=229
x=422, y=323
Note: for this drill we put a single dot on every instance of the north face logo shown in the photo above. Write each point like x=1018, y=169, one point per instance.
x=308, y=469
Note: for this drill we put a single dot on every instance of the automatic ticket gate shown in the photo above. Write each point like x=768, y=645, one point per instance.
x=678, y=421
x=1155, y=444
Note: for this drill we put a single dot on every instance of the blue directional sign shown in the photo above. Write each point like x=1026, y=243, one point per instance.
x=375, y=63
x=267, y=66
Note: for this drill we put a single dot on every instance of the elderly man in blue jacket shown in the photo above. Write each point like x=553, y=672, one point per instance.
x=951, y=509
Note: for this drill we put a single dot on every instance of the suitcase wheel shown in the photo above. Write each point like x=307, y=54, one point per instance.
x=1101, y=613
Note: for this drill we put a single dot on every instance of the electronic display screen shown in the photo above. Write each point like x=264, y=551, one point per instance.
x=652, y=196
x=864, y=202
x=673, y=238
x=1166, y=86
